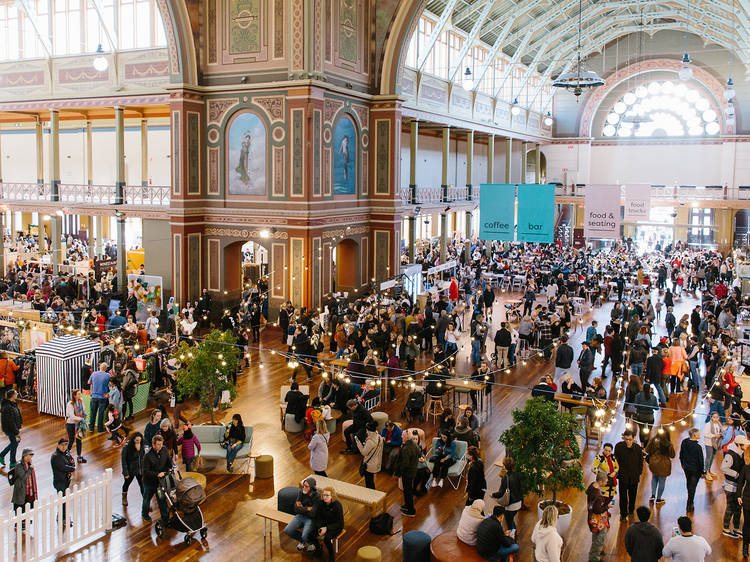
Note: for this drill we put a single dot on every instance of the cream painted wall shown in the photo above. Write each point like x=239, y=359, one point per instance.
x=429, y=161
x=689, y=164
x=18, y=153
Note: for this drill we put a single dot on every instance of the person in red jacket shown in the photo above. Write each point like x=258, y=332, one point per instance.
x=453, y=290
x=8, y=371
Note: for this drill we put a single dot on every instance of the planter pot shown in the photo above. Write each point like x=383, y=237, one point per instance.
x=563, y=520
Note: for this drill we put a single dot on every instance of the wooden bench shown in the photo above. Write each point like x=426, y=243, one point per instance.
x=274, y=515
x=352, y=492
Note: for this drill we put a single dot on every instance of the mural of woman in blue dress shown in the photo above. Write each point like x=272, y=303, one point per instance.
x=246, y=155
x=345, y=157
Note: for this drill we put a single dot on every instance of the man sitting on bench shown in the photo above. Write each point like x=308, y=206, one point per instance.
x=360, y=418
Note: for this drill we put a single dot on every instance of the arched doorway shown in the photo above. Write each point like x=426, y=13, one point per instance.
x=346, y=271
x=246, y=263
x=531, y=167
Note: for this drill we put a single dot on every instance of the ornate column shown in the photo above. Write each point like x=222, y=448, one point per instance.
x=413, y=150
x=490, y=158
x=443, y=237
x=508, y=158
x=446, y=150
x=39, y=132
x=524, y=161
x=122, y=252
x=144, y=151
x=99, y=235
x=538, y=163
x=54, y=172
x=89, y=156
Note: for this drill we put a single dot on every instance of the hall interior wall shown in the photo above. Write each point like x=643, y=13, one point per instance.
x=657, y=164
x=430, y=157
x=18, y=153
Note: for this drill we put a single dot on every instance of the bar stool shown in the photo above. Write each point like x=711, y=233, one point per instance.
x=434, y=406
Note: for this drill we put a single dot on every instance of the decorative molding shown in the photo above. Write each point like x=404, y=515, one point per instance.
x=297, y=23
x=363, y=114
x=218, y=108
x=278, y=29
x=174, y=58
x=244, y=234
x=349, y=231
x=330, y=107
x=274, y=106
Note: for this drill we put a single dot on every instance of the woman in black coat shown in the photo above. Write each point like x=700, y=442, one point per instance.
x=329, y=520
x=132, y=464
x=476, y=484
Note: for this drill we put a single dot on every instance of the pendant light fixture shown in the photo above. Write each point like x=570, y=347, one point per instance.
x=579, y=78
x=636, y=115
x=686, y=72
x=548, y=119
x=515, y=109
x=730, y=92
x=467, y=82
x=100, y=61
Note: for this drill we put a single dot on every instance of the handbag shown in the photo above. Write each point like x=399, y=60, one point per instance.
x=198, y=462
x=363, y=466
x=504, y=500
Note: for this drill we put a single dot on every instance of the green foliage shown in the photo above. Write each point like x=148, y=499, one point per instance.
x=206, y=369
x=540, y=440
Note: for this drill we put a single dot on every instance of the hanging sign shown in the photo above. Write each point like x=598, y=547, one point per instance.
x=536, y=213
x=601, y=218
x=496, y=211
x=637, y=202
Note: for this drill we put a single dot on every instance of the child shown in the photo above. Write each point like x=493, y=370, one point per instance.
x=191, y=447
x=114, y=425
x=658, y=310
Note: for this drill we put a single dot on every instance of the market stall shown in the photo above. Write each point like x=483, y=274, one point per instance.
x=59, y=364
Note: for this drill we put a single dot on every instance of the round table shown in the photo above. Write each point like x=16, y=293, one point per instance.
x=447, y=548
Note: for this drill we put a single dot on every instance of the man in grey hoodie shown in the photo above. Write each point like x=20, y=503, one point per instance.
x=305, y=510
x=731, y=466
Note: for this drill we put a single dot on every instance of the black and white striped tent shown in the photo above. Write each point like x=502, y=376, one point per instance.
x=58, y=367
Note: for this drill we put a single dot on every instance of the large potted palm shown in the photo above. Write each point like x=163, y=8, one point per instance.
x=542, y=440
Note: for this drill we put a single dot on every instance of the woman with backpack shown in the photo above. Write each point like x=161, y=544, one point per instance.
x=659, y=452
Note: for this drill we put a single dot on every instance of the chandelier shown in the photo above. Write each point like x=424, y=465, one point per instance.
x=582, y=77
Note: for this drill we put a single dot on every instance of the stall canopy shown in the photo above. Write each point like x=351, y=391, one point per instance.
x=59, y=364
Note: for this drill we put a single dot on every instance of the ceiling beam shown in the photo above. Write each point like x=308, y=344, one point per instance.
x=112, y=42
x=469, y=43
x=438, y=29
x=516, y=57
x=43, y=40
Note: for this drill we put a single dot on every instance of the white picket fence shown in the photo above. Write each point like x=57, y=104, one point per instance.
x=40, y=532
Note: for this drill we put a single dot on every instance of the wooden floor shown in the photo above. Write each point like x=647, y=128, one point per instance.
x=236, y=533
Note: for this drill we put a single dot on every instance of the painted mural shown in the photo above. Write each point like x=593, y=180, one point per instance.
x=345, y=158
x=246, y=155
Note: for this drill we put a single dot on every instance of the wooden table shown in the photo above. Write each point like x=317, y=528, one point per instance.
x=352, y=492
x=446, y=547
x=466, y=385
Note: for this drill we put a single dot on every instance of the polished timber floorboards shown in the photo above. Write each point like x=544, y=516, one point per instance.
x=236, y=533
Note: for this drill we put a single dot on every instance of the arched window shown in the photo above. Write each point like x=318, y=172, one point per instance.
x=662, y=109
x=38, y=28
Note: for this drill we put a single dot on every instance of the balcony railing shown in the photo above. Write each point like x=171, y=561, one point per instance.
x=146, y=195
x=434, y=195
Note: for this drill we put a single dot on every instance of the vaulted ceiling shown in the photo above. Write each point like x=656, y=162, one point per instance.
x=543, y=34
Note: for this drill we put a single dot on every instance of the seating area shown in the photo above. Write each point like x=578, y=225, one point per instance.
x=210, y=437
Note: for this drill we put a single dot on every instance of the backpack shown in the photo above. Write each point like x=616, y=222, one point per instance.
x=381, y=524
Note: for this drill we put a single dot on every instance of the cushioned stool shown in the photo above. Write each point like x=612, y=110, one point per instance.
x=380, y=418
x=292, y=426
x=331, y=425
x=264, y=467
x=286, y=498
x=416, y=546
x=344, y=426
x=368, y=554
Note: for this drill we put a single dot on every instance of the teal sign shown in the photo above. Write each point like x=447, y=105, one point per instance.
x=496, y=211
x=536, y=213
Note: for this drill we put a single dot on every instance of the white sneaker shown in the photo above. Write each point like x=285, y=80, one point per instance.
x=310, y=548
x=300, y=546
x=440, y=483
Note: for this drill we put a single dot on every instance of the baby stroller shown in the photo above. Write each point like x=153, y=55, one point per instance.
x=184, y=514
x=414, y=408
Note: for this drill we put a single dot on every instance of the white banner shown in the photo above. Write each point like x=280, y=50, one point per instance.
x=442, y=267
x=637, y=202
x=601, y=211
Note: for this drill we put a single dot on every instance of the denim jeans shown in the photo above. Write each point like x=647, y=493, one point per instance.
x=12, y=447
x=98, y=409
x=504, y=552
x=695, y=376
x=716, y=406
x=149, y=490
x=691, y=479
x=657, y=485
x=232, y=452
x=450, y=348
x=709, y=455
x=476, y=352
x=300, y=522
x=636, y=369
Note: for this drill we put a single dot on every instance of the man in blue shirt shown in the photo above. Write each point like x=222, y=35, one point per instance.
x=99, y=383
x=117, y=320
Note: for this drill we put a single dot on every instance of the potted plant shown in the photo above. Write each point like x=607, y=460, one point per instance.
x=205, y=369
x=542, y=440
